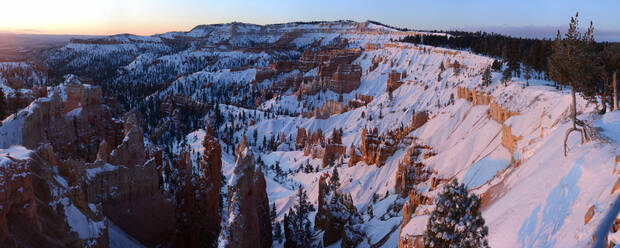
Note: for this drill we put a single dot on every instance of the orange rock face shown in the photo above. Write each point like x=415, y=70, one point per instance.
x=376, y=149
x=248, y=206
x=393, y=81
x=16, y=193
x=197, y=196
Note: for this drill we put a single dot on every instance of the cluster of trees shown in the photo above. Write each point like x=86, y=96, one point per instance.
x=3, y=107
x=588, y=68
x=529, y=58
x=298, y=229
x=529, y=52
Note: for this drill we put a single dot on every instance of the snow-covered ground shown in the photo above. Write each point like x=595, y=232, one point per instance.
x=541, y=203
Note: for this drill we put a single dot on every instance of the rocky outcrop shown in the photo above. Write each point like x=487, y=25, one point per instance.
x=211, y=173
x=197, y=195
x=345, y=79
x=508, y=139
x=101, y=159
x=248, y=206
x=337, y=216
x=354, y=156
x=335, y=71
x=410, y=173
x=476, y=97
x=16, y=194
x=500, y=114
x=376, y=149
x=394, y=80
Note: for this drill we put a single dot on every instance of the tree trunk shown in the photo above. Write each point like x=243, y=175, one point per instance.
x=573, y=107
x=615, y=105
x=603, y=102
x=576, y=122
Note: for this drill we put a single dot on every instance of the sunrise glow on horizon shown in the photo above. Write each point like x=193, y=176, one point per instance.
x=142, y=17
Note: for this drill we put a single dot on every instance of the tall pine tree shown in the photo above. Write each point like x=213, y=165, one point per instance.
x=298, y=228
x=486, y=77
x=2, y=105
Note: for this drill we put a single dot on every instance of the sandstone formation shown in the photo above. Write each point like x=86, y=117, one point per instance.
x=315, y=145
x=394, y=80
x=336, y=216
x=335, y=71
x=476, y=97
x=197, y=195
x=248, y=206
x=102, y=160
x=410, y=173
x=16, y=194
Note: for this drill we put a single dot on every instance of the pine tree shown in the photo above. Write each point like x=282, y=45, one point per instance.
x=334, y=180
x=273, y=214
x=2, y=105
x=456, y=220
x=277, y=232
x=527, y=74
x=486, y=77
x=497, y=65
x=298, y=228
x=506, y=76
x=571, y=63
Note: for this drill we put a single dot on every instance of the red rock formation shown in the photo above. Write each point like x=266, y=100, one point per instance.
x=335, y=216
x=332, y=153
x=300, y=141
x=376, y=149
x=418, y=119
x=248, y=206
x=16, y=193
x=345, y=79
x=393, y=81
x=197, y=196
x=354, y=156
x=211, y=174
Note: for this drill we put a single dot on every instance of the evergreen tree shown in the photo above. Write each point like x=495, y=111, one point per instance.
x=497, y=65
x=456, y=220
x=2, y=105
x=506, y=76
x=572, y=63
x=298, y=228
x=527, y=74
x=273, y=214
x=334, y=180
x=486, y=77
x=277, y=232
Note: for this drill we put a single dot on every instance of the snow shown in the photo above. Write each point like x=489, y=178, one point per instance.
x=82, y=225
x=487, y=167
x=93, y=172
x=538, y=202
x=120, y=239
x=417, y=225
x=17, y=152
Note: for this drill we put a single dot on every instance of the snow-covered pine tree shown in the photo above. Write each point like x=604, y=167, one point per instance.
x=334, y=180
x=486, y=77
x=456, y=221
x=2, y=105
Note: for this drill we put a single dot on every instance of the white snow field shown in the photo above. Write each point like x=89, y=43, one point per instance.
x=541, y=202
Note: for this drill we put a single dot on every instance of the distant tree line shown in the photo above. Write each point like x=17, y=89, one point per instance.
x=532, y=53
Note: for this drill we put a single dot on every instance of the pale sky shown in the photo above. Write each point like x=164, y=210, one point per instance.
x=145, y=17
